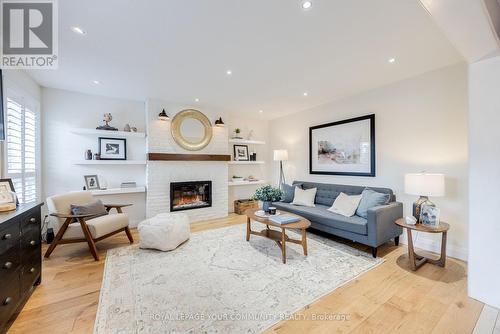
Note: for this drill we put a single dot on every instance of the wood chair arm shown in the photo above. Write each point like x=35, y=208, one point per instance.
x=65, y=215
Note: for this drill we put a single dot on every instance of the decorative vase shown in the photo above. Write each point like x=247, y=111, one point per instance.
x=88, y=155
x=266, y=205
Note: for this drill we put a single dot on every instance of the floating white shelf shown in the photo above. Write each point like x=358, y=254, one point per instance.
x=109, y=162
x=116, y=191
x=244, y=141
x=119, y=134
x=246, y=162
x=246, y=183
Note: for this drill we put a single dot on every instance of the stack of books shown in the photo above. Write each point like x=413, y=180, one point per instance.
x=284, y=219
x=128, y=184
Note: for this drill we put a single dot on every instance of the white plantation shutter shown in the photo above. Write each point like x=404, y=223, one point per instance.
x=22, y=147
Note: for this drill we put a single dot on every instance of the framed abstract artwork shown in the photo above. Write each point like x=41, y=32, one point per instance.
x=343, y=148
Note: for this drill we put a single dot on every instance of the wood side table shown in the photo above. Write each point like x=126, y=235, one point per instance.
x=416, y=261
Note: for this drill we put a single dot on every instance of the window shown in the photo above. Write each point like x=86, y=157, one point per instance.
x=22, y=147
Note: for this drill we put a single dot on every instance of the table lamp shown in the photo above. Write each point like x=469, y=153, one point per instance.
x=423, y=185
x=281, y=155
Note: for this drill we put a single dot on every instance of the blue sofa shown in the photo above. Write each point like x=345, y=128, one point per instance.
x=374, y=231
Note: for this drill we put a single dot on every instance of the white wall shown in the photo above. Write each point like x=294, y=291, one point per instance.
x=484, y=181
x=421, y=124
x=62, y=111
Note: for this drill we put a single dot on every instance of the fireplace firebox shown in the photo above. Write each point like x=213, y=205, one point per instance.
x=190, y=195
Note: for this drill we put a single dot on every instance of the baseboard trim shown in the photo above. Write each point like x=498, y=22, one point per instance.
x=435, y=247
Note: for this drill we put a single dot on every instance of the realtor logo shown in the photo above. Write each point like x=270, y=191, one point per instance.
x=29, y=34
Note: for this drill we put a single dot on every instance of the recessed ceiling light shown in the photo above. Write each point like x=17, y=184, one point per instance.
x=197, y=100
x=306, y=4
x=392, y=60
x=229, y=72
x=79, y=30
x=306, y=94
x=261, y=111
x=97, y=82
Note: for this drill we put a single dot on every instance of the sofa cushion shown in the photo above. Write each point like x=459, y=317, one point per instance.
x=289, y=192
x=321, y=215
x=370, y=199
x=304, y=197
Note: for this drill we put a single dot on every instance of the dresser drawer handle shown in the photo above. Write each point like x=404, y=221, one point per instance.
x=7, y=265
x=7, y=236
x=7, y=301
x=32, y=270
x=32, y=243
x=33, y=220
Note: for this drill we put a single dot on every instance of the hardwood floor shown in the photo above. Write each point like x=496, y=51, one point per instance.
x=388, y=299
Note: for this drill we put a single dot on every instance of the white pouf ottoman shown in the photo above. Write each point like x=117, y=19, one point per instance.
x=164, y=232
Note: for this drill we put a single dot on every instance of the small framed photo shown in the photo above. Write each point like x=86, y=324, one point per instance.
x=113, y=148
x=92, y=182
x=429, y=215
x=7, y=185
x=241, y=153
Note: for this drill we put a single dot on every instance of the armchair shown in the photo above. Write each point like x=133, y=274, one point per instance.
x=84, y=228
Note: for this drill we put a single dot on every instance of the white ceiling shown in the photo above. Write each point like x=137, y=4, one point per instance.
x=180, y=50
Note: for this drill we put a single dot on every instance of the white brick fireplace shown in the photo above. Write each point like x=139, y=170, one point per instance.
x=159, y=174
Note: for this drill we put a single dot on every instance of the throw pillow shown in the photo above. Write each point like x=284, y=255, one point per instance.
x=289, y=192
x=304, y=197
x=94, y=208
x=345, y=205
x=369, y=199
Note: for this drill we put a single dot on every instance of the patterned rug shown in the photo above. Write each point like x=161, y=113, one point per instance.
x=219, y=283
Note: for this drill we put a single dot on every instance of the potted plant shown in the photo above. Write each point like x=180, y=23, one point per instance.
x=237, y=132
x=267, y=194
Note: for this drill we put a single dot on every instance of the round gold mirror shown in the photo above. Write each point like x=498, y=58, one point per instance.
x=191, y=129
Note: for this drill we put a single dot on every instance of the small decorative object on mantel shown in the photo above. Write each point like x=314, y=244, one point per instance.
x=88, y=155
x=267, y=195
x=128, y=184
x=241, y=153
x=253, y=156
x=250, y=135
x=97, y=156
x=6, y=185
x=134, y=129
x=107, y=118
x=237, y=134
x=219, y=122
x=113, y=148
x=91, y=182
x=127, y=128
x=163, y=116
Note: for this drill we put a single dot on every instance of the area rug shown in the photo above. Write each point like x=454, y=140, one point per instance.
x=217, y=282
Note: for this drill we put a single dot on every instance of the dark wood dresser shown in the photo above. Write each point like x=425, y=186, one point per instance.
x=20, y=259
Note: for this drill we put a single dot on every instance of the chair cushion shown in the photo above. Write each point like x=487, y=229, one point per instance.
x=165, y=231
x=304, y=197
x=98, y=227
x=94, y=208
x=370, y=199
x=321, y=215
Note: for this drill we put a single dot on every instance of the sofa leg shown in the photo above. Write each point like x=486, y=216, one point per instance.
x=396, y=240
x=374, y=251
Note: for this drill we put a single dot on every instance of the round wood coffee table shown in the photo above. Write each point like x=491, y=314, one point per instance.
x=416, y=261
x=280, y=235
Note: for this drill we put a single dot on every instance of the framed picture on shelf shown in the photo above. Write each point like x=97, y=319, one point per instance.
x=113, y=148
x=429, y=215
x=92, y=182
x=343, y=148
x=7, y=185
x=241, y=153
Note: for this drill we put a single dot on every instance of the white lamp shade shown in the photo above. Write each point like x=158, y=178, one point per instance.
x=280, y=155
x=424, y=184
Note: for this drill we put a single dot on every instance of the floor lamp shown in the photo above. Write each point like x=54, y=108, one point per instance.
x=281, y=155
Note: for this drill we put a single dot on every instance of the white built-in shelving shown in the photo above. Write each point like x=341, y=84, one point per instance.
x=248, y=142
x=118, y=134
x=109, y=162
x=117, y=191
x=246, y=183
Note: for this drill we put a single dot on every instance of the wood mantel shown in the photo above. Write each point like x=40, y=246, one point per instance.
x=187, y=157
